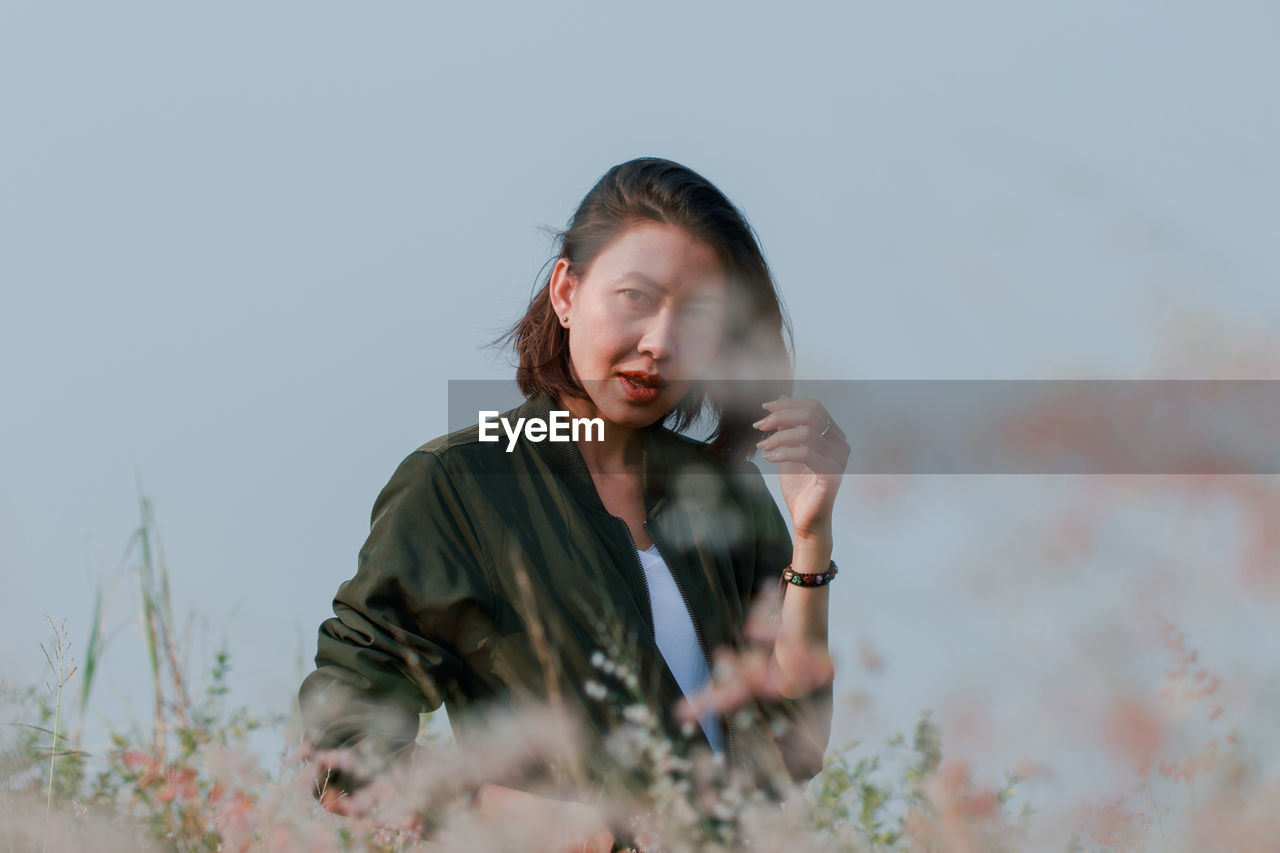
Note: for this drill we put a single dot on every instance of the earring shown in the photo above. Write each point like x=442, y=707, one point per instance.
x=564, y=320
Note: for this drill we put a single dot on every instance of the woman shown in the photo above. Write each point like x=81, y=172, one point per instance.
x=492, y=568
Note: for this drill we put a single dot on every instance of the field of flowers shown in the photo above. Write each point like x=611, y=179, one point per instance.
x=193, y=783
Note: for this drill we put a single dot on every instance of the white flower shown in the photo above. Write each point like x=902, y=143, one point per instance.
x=637, y=714
x=597, y=659
x=595, y=690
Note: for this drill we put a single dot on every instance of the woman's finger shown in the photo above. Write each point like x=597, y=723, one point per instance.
x=806, y=454
x=811, y=413
x=805, y=434
x=832, y=447
x=789, y=403
x=788, y=408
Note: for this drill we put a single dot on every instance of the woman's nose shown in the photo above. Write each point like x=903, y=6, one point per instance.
x=658, y=339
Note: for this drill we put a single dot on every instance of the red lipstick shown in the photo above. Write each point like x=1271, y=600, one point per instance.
x=640, y=386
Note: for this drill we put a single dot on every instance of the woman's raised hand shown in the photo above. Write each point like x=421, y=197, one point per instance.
x=813, y=454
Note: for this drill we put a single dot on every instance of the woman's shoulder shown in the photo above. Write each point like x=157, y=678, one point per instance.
x=467, y=448
x=442, y=468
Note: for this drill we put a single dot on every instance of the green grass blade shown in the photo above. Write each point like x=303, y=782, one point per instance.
x=92, y=652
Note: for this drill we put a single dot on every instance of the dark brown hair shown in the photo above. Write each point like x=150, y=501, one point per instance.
x=652, y=189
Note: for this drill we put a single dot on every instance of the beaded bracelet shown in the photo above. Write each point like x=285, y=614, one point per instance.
x=818, y=579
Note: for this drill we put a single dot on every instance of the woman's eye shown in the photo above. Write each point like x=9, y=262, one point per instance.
x=635, y=295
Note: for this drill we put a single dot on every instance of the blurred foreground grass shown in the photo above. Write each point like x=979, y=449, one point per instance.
x=193, y=783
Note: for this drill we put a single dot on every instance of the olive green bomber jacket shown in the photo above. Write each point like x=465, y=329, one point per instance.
x=436, y=612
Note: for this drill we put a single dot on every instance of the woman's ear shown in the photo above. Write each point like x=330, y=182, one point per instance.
x=561, y=289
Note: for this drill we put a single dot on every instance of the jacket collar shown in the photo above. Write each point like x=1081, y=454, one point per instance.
x=567, y=460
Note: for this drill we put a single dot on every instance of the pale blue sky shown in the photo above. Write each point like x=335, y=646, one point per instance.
x=243, y=247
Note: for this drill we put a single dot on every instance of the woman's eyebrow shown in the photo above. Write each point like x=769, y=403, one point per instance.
x=644, y=279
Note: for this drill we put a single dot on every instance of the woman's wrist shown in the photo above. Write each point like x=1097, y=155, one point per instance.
x=810, y=554
x=802, y=630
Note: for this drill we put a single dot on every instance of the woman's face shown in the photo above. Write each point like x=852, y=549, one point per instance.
x=651, y=307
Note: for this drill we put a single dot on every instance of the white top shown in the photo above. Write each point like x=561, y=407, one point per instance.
x=677, y=639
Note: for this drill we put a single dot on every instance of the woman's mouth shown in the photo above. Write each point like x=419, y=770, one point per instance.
x=640, y=389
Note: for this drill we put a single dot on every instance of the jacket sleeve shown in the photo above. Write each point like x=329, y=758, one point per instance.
x=801, y=725
x=421, y=600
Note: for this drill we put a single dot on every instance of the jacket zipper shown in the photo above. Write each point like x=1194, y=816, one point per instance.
x=697, y=630
x=648, y=603
x=725, y=723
